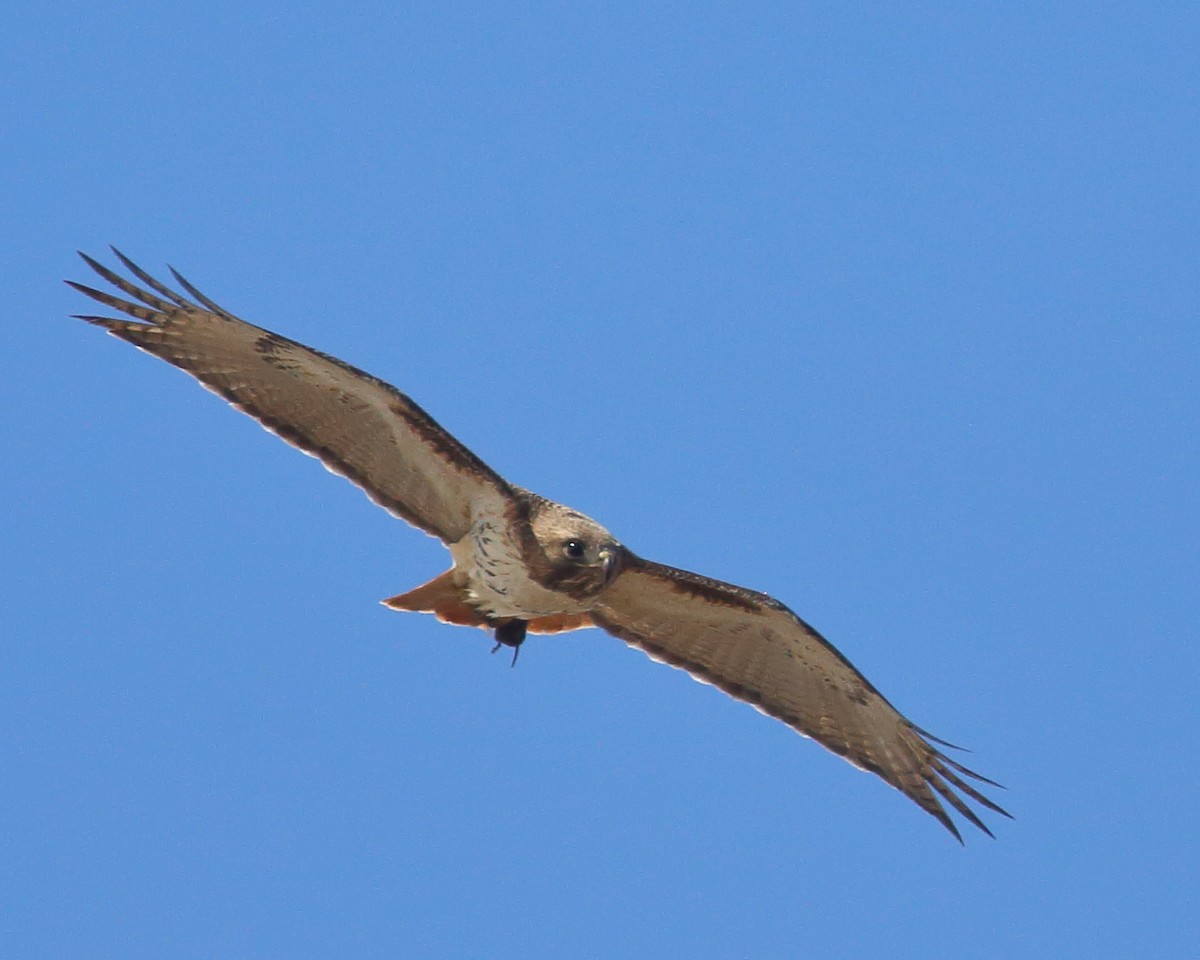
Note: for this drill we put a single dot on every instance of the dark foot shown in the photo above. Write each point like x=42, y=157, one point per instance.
x=511, y=634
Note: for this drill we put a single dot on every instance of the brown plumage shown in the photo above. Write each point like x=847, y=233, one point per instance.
x=523, y=563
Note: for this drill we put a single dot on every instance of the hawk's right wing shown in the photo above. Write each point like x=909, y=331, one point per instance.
x=357, y=425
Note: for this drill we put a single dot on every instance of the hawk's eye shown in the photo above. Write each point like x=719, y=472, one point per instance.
x=575, y=549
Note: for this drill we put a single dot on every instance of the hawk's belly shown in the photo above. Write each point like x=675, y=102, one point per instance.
x=498, y=584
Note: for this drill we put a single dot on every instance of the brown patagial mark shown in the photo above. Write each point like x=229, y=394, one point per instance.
x=524, y=564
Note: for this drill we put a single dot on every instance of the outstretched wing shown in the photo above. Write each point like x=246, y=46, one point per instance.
x=357, y=425
x=755, y=649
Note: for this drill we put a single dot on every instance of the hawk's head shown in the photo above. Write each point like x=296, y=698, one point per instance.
x=577, y=555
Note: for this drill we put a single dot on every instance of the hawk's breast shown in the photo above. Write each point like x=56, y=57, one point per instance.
x=498, y=583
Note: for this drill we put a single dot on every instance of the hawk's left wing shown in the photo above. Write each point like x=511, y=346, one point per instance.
x=755, y=649
x=357, y=425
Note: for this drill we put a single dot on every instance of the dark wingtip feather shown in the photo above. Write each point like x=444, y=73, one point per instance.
x=156, y=304
x=201, y=298
x=967, y=771
x=96, y=320
x=938, y=740
x=952, y=798
x=146, y=314
x=94, y=264
x=941, y=773
x=944, y=819
x=155, y=285
x=109, y=275
x=97, y=295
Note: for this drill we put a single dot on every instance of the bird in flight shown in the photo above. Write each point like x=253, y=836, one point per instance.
x=522, y=563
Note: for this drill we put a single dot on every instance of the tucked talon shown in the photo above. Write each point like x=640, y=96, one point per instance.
x=510, y=634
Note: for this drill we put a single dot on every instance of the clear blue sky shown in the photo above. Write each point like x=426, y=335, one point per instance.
x=889, y=311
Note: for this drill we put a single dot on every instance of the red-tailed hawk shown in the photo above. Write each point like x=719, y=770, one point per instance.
x=523, y=563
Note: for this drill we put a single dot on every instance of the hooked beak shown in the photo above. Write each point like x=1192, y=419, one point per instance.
x=610, y=558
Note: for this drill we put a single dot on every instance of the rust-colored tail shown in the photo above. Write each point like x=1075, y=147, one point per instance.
x=442, y=597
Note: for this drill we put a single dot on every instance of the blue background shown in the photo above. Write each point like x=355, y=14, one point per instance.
x=887, y=310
